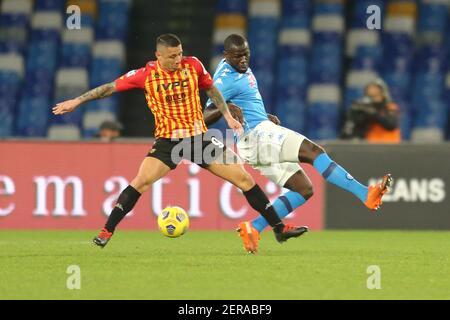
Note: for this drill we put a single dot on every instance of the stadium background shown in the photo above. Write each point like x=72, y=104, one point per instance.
x=311, y=59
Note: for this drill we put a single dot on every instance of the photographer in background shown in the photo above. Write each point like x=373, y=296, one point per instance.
x=109, y=131
x=374, y=118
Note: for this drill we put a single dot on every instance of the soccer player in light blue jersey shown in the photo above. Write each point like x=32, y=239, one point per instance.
x=274, y=150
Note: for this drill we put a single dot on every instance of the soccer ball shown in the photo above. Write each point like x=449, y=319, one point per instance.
x=173, y=222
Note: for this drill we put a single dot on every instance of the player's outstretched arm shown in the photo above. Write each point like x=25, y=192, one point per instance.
x=218, y=100
x=100, y=92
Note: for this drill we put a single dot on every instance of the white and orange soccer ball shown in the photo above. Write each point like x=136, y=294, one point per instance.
x=173, y=222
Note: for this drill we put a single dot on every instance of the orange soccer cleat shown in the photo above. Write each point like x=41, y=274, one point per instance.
x=103, y=237
x=249, y=235
x=377, y=191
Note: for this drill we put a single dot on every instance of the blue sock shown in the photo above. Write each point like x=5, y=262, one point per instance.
x=284, y=204
x=335, y=174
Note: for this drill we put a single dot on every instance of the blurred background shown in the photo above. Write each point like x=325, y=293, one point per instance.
x=312, y=59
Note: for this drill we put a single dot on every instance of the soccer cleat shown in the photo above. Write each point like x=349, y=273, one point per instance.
x=290, y=231
x=103, y=237
x=377, y=191
x=249, y=235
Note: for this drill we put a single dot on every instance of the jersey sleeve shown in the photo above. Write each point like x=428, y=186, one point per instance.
x=205, y=80
x=226, y=88
x=134, y=79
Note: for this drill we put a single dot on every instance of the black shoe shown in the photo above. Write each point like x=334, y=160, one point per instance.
x=290, y=231
x=103, y=237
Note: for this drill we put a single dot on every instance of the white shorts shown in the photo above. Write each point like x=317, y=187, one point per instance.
x=273, y=150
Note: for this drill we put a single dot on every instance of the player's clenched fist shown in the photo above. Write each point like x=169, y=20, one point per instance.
x=65, y=106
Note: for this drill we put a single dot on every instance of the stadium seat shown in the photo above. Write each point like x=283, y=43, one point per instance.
x=361, y=37
x=322, y=119
x=16, y=7
x=93, y=119
x=328, y=23
x=64, y=132
x=33, y=116
x=232, y=6
x=112, y=20
x=433, y=16
x=402, y=25
x=291, y=113
x=324, y=93
x=13, y=32
x=49, y=5
x=296, y=14
x=427, y=135
x=77, y=47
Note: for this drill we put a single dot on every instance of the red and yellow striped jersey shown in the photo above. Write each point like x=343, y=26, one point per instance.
x=173, y=97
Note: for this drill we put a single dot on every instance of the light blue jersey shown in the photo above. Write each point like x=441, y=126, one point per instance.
x=242, y=90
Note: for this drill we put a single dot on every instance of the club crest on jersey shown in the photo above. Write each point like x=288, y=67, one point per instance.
x=185, y=72
x=251, y=80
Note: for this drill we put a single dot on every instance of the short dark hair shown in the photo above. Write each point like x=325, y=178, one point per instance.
x=168, y=40
x=234, y=40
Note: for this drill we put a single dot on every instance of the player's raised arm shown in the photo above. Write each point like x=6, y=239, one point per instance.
x=218, y=100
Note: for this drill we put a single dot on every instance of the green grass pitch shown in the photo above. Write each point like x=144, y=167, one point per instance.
x=213, y=265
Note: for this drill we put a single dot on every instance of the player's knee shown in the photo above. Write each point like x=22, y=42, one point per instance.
x=307, y=192
x=141, y=184
x=244, y=181
x=309, y=151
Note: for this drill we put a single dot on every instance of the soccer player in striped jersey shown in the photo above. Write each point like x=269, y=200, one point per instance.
x=171, y=85
x=274, y=150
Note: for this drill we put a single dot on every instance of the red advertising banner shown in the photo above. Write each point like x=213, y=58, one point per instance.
x=57, y=185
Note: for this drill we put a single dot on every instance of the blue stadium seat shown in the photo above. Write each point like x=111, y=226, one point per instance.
x=6, y=123
x=328, y=8
x=14, y=20
x=432, y=17
x=232, y=6
x=432, y=113
x=430, y=59
x=322, y=120
x=13, y=37
x=367, y=58
x=49, y=5
x=399, y=84
x=296, y=14
x=104, y=70
x=291, y=113
x=112, y=20
x=76, y=55
x=110, y=104
x=33, y=116
x=292, y=72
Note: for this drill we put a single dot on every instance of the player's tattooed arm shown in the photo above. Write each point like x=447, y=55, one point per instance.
x=218, y=100
x=98, y=93
x=70, y=105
